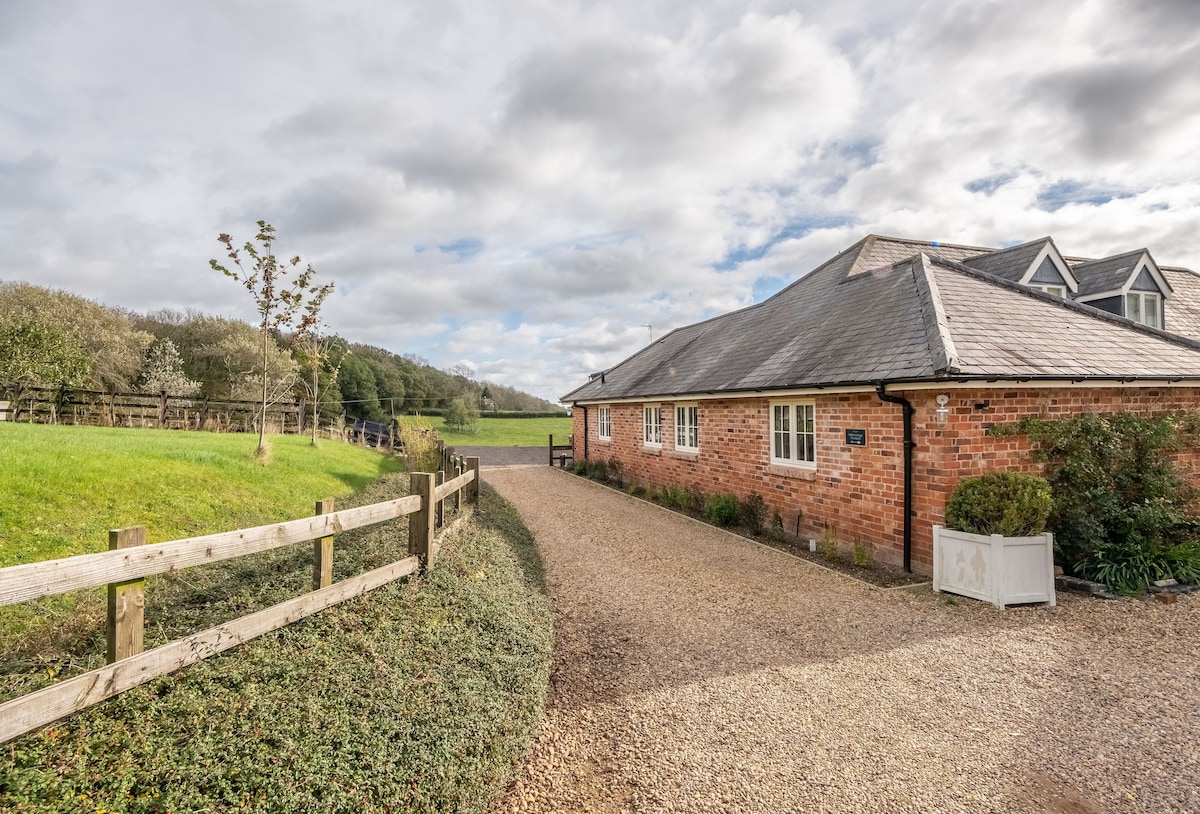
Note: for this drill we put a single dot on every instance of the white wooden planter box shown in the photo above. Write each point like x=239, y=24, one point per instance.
x=1000, y=570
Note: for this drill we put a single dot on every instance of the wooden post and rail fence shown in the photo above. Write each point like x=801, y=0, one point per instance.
x=566, y=452
x=127, y=563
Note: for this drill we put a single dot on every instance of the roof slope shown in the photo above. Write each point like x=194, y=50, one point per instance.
x=1043, y=336
x=1108, y=274
x=893, y=310
x=1183, y=317
x=1011, y=263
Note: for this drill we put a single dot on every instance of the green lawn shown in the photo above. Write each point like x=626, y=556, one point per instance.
x=63, y=488
x=505, y=432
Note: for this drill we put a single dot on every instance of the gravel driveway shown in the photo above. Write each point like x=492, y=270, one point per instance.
x=696, y=671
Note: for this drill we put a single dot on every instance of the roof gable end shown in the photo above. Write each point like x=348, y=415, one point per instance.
x=1115, y=276
x=1021, y=263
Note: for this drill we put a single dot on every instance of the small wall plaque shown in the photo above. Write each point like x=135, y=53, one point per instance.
x=856, y=438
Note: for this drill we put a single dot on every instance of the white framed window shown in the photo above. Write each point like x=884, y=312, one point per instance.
x=652, y=426
x=1053, y=290
x=687, y=427
x=1143, y=307
x=604, y=423
x=793, y=434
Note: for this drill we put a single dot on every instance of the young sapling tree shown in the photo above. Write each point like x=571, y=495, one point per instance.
x=284, y=302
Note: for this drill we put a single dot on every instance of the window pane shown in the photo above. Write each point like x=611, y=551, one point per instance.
x=1151, y=310
x=1133, y=307
x=806, y=442
x=782, y=414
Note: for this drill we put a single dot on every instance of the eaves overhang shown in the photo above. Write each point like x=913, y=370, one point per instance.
x=957, y=381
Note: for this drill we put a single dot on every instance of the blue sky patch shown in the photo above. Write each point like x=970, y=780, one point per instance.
x=989, y=184
x=463, y=249
x=792, y=231
x=1070, y=191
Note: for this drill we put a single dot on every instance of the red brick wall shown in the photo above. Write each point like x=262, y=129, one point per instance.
x=859, y=491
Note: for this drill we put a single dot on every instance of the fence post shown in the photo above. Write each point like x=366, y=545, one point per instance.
x=126, y=602
x=323, y=551
x=420, y=523
x=458, y=468
x=162, y=410
x=473, y=487
x=552, y=449
x=441, y=504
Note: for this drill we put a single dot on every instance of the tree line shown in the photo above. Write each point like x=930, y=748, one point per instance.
x=53, y=338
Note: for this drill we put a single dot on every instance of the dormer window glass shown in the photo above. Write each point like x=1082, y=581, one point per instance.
x=1143, y=307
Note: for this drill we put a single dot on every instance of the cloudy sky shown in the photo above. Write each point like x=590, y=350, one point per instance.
x=523, y=186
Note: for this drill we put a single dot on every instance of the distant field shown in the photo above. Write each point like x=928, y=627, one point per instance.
x=507, y=432
x=63, y=488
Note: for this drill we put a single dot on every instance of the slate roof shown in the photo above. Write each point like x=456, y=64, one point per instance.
x=1183, y=312
x=1010, y=263
x=1096, y=276
x=889, y=310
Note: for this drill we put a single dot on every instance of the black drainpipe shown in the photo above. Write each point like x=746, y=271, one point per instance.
x=585, y=429
x=908, y=467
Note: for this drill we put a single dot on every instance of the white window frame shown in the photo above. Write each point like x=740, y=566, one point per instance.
x=794, y=443
x=1148, y=302
x=652, y=429
x=687, y=427
x=1053, y=290
x=604, y=423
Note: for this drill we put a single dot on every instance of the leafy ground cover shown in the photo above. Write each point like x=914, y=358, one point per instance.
x=419, y=696
x=504, y=432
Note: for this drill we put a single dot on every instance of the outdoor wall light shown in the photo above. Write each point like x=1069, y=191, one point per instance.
x=942, y=414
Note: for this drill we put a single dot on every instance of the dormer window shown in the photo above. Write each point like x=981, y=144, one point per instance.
x=1144, y=307
x=1053, y=290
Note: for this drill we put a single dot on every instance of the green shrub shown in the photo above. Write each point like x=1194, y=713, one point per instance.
x=861, y=553
x=677, y=497
x=721, y=510
x=1012, y=504
x=829, y=544
x=754, y=513
x=1129, y=567
x=1113, y=481
x=616, y=472
x=777, y=532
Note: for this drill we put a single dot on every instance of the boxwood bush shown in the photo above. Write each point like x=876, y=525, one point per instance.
x=1012, y=504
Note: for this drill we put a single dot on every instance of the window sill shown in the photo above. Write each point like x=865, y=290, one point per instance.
x=604, y=441
x=800, y=473
x=652, y=450
x=684, y=454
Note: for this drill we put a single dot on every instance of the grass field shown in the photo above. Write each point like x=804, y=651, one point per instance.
x=505, y=432
x=63, y=488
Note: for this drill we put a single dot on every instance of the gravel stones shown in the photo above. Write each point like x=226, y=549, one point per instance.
x=697, y=671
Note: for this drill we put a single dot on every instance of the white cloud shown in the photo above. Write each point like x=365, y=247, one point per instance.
x=528, y=185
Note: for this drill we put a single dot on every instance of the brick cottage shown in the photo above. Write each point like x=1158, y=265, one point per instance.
x=868, y=385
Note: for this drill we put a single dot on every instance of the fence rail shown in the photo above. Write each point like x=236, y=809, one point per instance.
x=566, y=451
x=64, y=405
x=125, y=566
